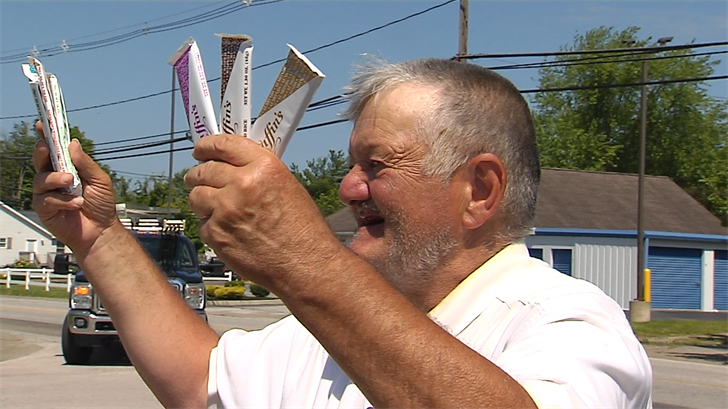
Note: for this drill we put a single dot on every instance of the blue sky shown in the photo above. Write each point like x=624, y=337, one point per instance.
x=138, y=67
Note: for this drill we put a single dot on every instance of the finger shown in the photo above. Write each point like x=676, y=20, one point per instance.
x=234, y=149
x=39, y=129
x=88, y=170
x=211, y=173
x=52, y=202
x=42, y=157
x=202, y=201
x=45, y=182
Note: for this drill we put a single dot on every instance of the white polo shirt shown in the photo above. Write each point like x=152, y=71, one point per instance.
x=565, y=341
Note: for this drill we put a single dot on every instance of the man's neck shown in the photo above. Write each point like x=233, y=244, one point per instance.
x=426, y=295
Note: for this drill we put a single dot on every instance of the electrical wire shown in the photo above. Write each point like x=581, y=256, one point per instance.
x=254, y=68
x=627, y=85
x=122, y=28
x=597, y=60
x=137, y=138
x=527, y=91
x=586, y=52
x=92, y=45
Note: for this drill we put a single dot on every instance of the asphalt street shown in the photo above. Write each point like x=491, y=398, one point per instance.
x=33, y=373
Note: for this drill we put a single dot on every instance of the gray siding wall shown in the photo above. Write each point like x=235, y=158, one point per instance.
x=608, y=263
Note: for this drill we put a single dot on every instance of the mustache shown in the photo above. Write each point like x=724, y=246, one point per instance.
x=366, y=208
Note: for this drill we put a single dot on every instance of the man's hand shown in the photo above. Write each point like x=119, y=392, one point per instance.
x=254, y=213
x=76, y=220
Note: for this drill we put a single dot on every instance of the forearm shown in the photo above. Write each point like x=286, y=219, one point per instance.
x=166, y=341
x=394, y=353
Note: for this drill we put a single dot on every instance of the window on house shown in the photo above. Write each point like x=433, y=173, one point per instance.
x=6, y=242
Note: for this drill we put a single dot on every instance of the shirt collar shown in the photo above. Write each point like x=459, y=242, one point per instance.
x=459, y=308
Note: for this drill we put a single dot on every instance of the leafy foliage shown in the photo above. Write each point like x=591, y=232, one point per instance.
x=258, y=291
x=16, y=162
x=322, y=178
x=598, y=129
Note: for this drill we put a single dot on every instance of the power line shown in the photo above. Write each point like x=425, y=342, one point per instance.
x=324, y=103
x=92, y=45
x=586, y=52
x=627, y=85
x=597, y=60
x=254, y=68
x=139, y=174
x=137, y=138
x=121, y=28
x=302, y=128
x=140, y=146
x=527, y=91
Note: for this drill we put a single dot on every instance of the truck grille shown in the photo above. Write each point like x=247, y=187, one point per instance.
x=98, y=307
x=175, y=282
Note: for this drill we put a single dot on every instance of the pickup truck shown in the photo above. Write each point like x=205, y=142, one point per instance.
x=87, y=324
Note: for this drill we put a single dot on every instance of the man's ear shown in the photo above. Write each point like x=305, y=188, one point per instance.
x=486, y=176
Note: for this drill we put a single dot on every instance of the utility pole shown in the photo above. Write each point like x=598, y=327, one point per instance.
x=641, y=189
x=171, y=144
x=640, y=309
x=463, y=45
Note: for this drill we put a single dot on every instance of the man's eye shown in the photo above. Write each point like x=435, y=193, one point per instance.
x=375, y=164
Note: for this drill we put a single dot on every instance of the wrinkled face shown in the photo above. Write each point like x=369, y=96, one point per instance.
x=404, y=218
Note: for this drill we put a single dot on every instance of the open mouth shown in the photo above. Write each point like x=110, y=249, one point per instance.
x=370, y=221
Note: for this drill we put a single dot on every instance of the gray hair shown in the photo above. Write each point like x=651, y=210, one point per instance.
x=475, y=110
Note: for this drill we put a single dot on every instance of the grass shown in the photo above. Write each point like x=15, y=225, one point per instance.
x=687, y=332
x=34, y=291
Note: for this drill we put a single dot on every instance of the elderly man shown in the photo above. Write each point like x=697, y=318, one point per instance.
x=435, y=303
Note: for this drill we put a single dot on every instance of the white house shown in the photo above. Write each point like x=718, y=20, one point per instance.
x=23, y=238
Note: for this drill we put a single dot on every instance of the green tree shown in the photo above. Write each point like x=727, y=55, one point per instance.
x=598, y=129
x=17, y=172
x=322, y=177
x=154, y=191
x=16, y=166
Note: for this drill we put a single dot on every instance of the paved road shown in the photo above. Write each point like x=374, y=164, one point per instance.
x=33, y=373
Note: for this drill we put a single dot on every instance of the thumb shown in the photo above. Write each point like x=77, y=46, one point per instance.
x=87, y=169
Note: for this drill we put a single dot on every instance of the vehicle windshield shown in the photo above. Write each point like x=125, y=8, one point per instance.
x=168, y=250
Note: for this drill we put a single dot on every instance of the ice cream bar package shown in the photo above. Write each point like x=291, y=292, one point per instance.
x=235, y=84
x=287, y=102
x=52, y=112
x=187, y=62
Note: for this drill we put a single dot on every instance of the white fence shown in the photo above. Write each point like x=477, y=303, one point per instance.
x=36, y=276
x=227, y=276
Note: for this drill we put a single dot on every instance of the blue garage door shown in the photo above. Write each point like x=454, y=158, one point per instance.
x=676, y=277
x=720, y=285
x=562, y=260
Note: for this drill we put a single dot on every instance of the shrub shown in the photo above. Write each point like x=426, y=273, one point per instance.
x=230, y=293
x=258, y=291
x=235, y=283
x=20, y=263
x=210, y=289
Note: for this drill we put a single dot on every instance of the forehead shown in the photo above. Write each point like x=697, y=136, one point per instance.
x=390, y=119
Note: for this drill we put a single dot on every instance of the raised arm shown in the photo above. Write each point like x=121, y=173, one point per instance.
x=260, y=220
x=165, y=340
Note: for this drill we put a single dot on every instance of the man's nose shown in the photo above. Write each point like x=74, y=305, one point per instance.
x=353, y=188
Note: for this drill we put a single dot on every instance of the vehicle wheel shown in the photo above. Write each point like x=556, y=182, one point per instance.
x=72, y=353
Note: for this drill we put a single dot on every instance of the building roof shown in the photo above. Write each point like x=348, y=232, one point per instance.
x=342, y=221
x=577, y=199
x=29, y=218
